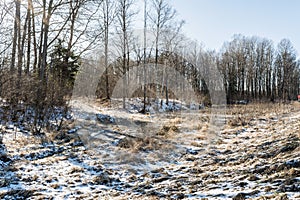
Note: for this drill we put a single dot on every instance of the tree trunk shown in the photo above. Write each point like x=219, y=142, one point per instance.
x=35, y=60
x=46, y=25
x=16, y=35
x=28, y=36
x=144, y=59
x=106, y=35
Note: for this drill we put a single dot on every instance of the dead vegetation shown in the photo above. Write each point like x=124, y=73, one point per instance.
x=256, y=160
x=168, y=130
x=140, y=144
x=243, y=115
x=17, y=194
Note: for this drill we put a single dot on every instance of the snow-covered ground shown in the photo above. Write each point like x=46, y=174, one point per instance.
x=111, y=153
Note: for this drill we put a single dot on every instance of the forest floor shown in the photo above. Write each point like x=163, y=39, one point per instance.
x=111, y=153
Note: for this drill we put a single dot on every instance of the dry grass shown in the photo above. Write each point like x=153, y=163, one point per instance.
x=76, y=170
x=242, y=115
x=103, y=102
x=103, y=178
x=17, y=194
x=140, y=144
x=176, y=120
x=196, y=144
x=168, y=130
x=276, y=196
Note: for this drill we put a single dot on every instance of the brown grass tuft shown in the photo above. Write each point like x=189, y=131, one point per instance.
x=168, y=130
x=140, y=144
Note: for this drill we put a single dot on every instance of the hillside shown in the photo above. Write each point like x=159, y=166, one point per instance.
x=123, y=154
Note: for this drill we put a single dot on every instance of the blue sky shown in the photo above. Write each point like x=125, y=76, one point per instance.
x=213, y=22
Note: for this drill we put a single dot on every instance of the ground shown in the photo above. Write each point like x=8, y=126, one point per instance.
x=111, y=153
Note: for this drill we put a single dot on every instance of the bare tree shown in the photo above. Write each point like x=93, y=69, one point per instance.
x=287, y=67
x=144, y=57
x=172, y=37
x=16, y=33
x=125, y=16
x=161, y=17
x=108, y=16
x=6, y=17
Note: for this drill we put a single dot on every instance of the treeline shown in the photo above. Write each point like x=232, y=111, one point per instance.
x=254, y=69
x=250, y=69
x=39, y=59
x=45, y=44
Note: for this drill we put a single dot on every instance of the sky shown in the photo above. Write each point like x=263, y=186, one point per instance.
x=212, y=22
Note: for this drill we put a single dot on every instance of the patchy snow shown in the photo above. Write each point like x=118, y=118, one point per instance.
x=159, y=155
x=105, y=118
